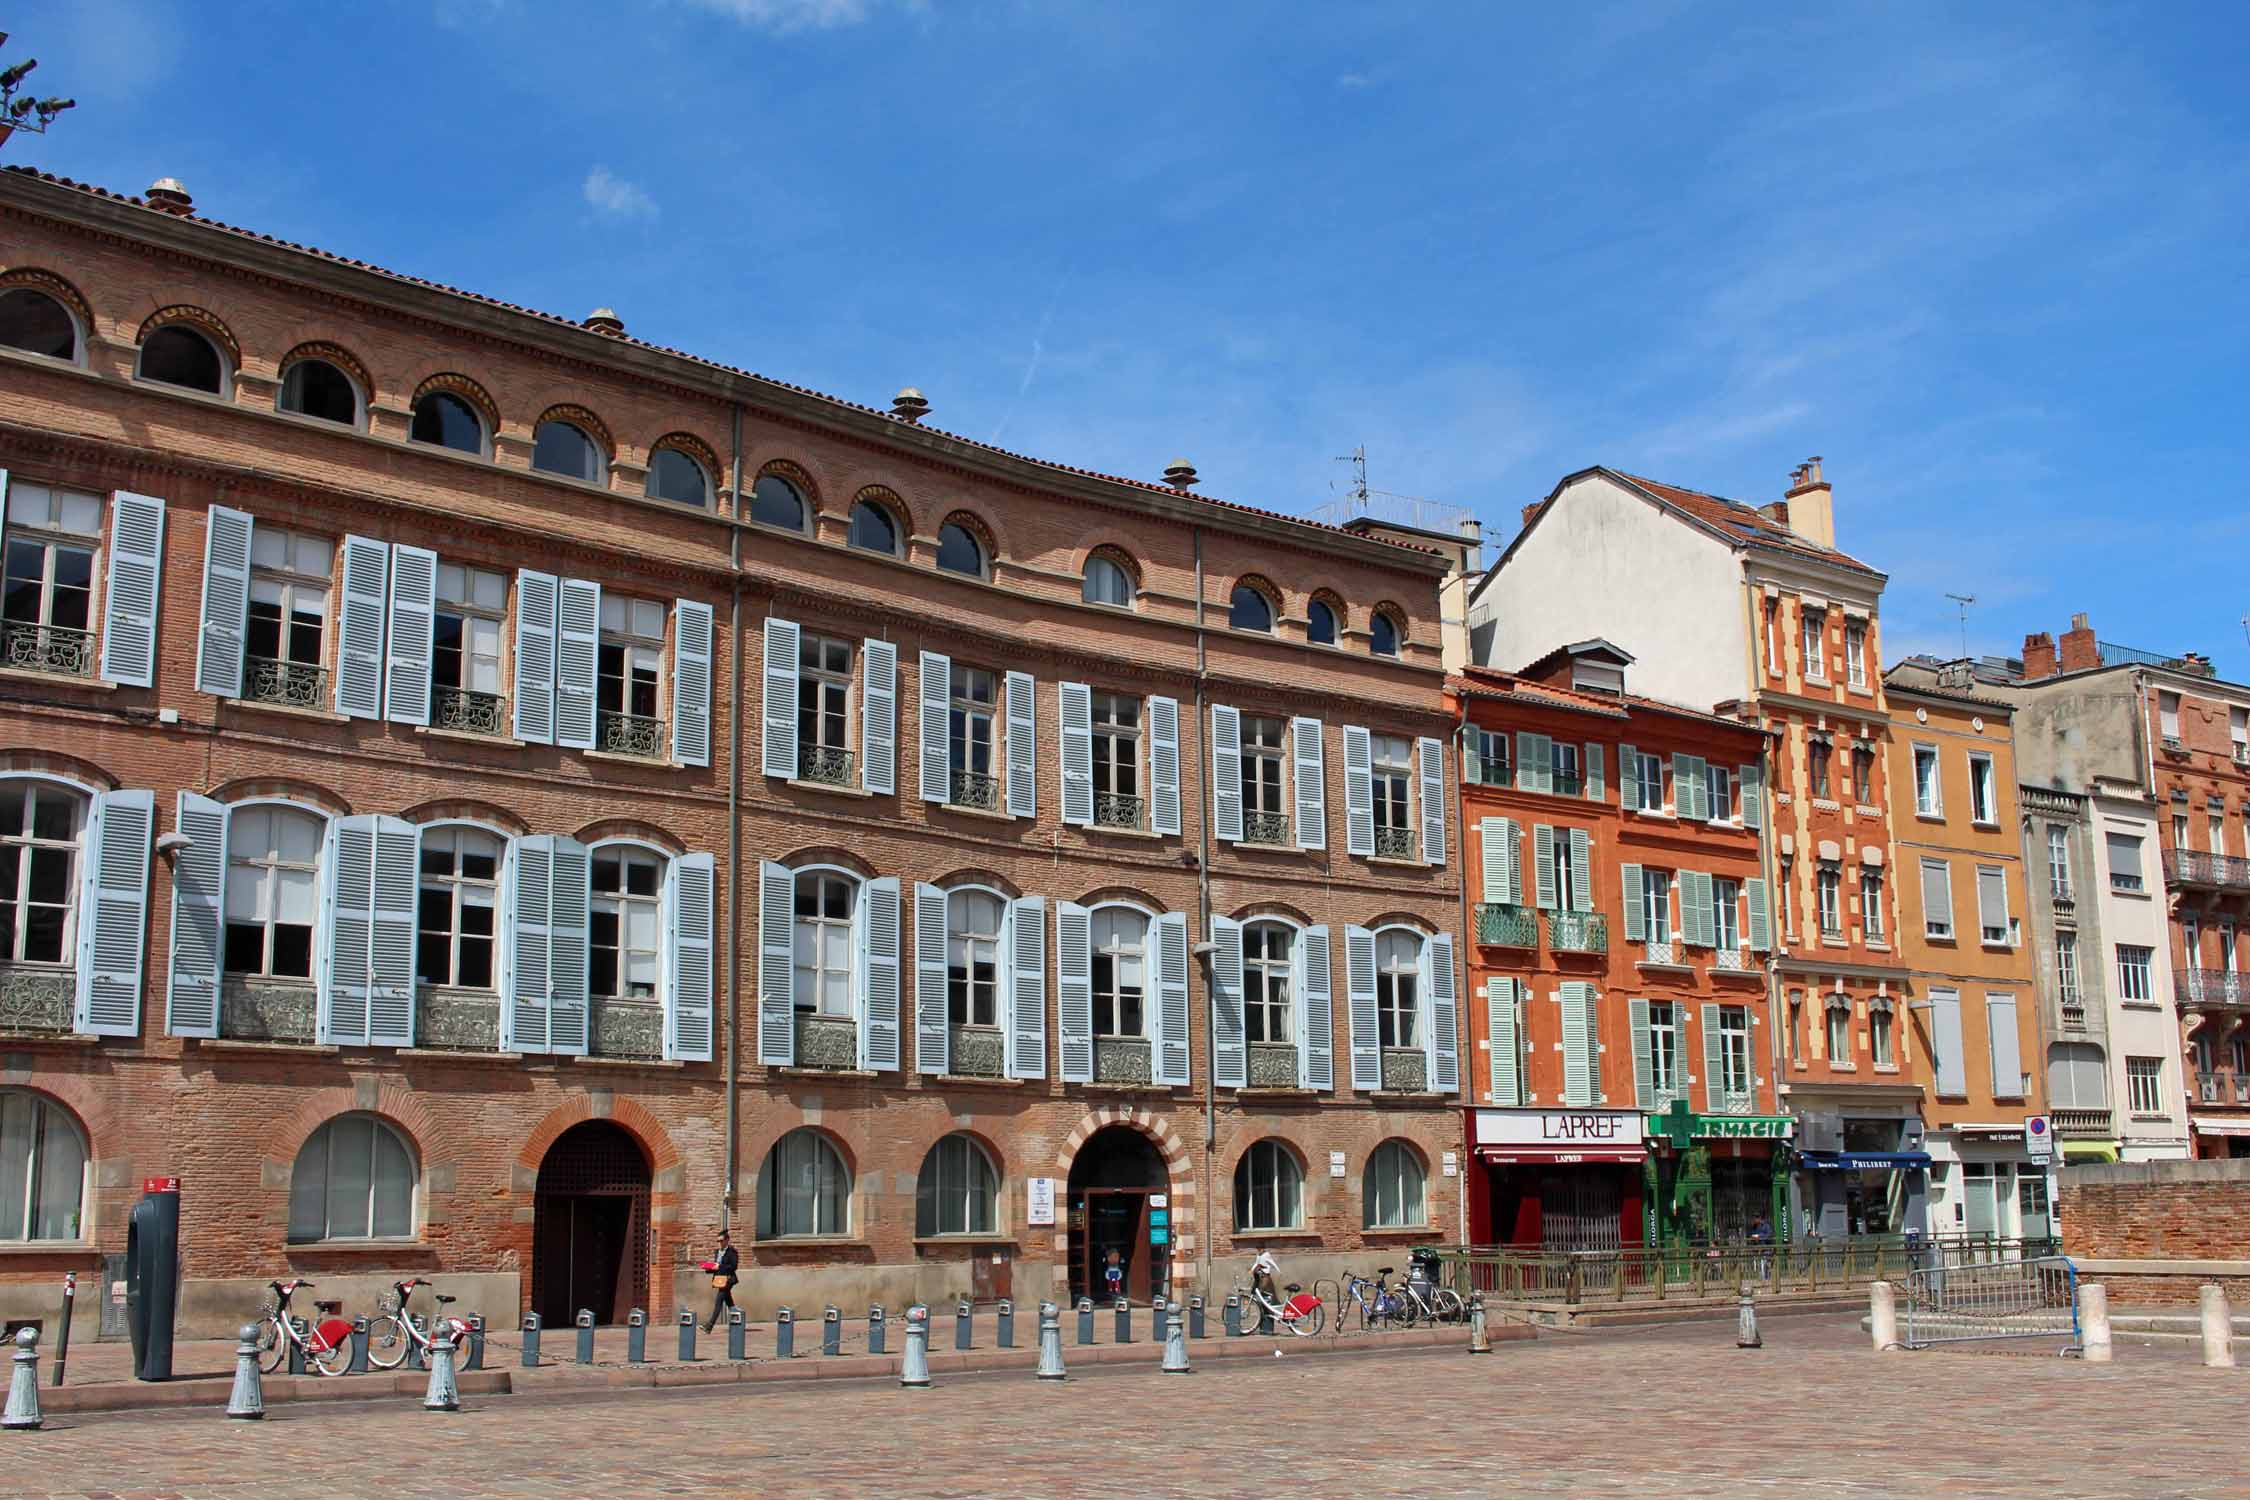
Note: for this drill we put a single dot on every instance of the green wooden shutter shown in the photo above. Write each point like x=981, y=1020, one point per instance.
x=1578, y=1051
x=1644, y=1057
x=1543, y=865
x=1596, y=782
x=1753, y=779
x=1582, y=869
x=1628, y=776
x=1761, y=919
x=1492, y=838
x=1636, y=919
x=1506, y=1073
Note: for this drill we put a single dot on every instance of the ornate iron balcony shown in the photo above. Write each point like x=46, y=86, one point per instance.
x=1115, y=810
x=291, y=684
x=1660, y=951
x=1566, y=785
x=1729, y=958
x=468, y=712
x=1504, y=926
x=37, y=999
x=2196, y=867
x=1265, y=828
x=2210, y=987
x=627, y=1028
x=1734, y=1101
x=825, y=765
x=47, y=648
x=630, y=734
x=1490, y=772
x=1396, y=843
x=973, y=789
x=454, y=1020
x=1577, y=932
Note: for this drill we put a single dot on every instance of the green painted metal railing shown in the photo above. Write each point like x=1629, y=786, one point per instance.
x=1578, y=1278
x=1507, y=926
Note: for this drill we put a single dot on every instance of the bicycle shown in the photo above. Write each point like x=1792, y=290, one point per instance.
x=395, y=1335
x=1302, y=1315
x=1375, y=1304
x=1426, y=1299
x=327, y=1343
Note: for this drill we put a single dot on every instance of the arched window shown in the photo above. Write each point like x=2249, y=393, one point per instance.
x=957, y=1190
x=1268, y=1006
x=1382, y=634
x=1250, y=609
x=40, y=826
x=1320, y=623
x=178, y=355
x=459, y=907
x=273, y=883
x=1398, y=979
x=1269, y=1188
x=42, y=1170
x=822, y=979
x=446, y=420
x=972, y=958
x=316, y=388
x=775, y=501
x=1107, y=582
x=1120, y=971
x=1391, y=1192
x=958, y=550
x=873, y=528
x=803, y=1189
x=672, y=475
x=353, y=1181
x=36, y=323
x=625, y=923
x=563, y=448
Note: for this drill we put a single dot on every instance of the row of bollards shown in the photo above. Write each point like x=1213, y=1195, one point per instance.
x=2097, y=1343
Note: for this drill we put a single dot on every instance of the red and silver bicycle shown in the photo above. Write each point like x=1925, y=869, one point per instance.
x=391, y=1337
x=327, y=1341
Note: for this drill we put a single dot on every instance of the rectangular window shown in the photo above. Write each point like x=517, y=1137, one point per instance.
x=1492, y=751
x=1994, y=923
x=1937, y=899
x=289, y=579
x=1268, y=1009
x=1120, y=973
x=1265, y=816
x=1721, y=782
x=2066, y=971
x=970, y=738
x=1664, y=1051
x=1863, y=773
x=625, y=924
x=2058, y=861
x=459, y=905
x=1929, y=796
x=47, y=611
x=1563, y=763
x=1839, y=1036
x=629, y=674
x=1881, y=1048
x=1855, y=653
x=1393, y=774
x=1817, y=755
x=1984, y=799
x=2168, y=717
x=2144, y=1085
x=1773, y=636
x=465, y=648
x=1726, y=896
x=2238, y=729
x=1117, y=745
x=1567, y=894
x=2133, y=982
x=1871, y=903
x=272, y=893
x=1734, y=1054
x=1830, y=883
x=2215, y=817
x=2179, y=830
x=1398, y=958
x=824, y=696
x=972, y=959
x=2125, y=862
x=1816, y=649
x=822, y=969
x=1648, y=783
x=1656, y=904
x=41, y=827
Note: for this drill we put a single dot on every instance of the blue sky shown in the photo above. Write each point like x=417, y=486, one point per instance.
x=1989, y=261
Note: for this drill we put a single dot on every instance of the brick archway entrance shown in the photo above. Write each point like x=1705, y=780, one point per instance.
x=1129, y=1189
x=590, y=1226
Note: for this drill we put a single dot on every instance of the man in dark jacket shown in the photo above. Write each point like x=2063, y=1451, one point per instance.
x=721, y=1267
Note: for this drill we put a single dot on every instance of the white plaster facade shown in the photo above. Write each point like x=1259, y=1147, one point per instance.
x=2138, y=1028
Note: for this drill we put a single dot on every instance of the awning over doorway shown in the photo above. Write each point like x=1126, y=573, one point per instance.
x=2089, y=1151
x=2222, y=1127
x=1575, y=1154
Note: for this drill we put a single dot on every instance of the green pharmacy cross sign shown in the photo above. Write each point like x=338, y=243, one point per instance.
x=1683, y=1127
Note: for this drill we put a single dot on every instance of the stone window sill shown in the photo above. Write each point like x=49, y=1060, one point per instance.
x=361, y=1247
x=1403, y=864
x=650, y=762
x=247, y=706
x=808, y=1242
x=15, y=1039
x=1753, y=972
x=1303, y=1233
x=1886, y=1067
x=999, y=1241
x=828, y=788
x=1121, y=833
x=962, y=810
x=26, y=1248
x=468, y=737
x=1396, y=1232
x=791, y=1070
x=445, y=1054
x=1277, y=1091
x=1130, y=1088
x=1397, y=1096
x=58, y=679
x=1653, y=812
x=1247, y=847
x=299, y=1049
x=590, y=1061
x=1647, y=967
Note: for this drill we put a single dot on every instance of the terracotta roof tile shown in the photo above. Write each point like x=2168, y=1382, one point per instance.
x=1743, y=522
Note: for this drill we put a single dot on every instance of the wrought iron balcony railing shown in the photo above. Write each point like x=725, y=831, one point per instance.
x=1660, y=951
x=1577, y=932
x=2081, y=1124
x=1265, y=828
x=825, y=765
x=1116, y=810
x=1396, y=843
x=2225, y=872
x=53, y=649
x=1489, y=772
x=1505, y=926
x=1564, y=785
x=1731, y=959
x=290, y=684
x=973, y=789
x=468, y=712
x=2210, y=987
x=37, y=999
x=630, y=734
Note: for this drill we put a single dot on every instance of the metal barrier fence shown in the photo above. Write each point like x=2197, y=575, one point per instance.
x=1573, y=1278
x=2025, y=1299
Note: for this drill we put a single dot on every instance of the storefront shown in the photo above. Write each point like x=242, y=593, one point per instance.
x=1556, y=1179
x=1713, y=1179
x=1859, y=1173
x=1986, y=1181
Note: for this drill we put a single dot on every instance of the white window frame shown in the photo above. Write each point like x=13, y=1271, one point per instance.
x=1828, y=884
x=830, y=1190
x=1666, y=1076
x=1656, y=905
x=273, y=868
x=1933, y=926
x=1855, y=653
x=22, y=793
x=2136, y=965
x=967, y=951
x=1287, y=1176
x=1259, y=974
x=1402, y=1171
x=47, y=1117
x=1118, y=951
x=2144, y=1085
x=1984, y=791
x=1929, y=791
x=1401, y=1005
x=2058, y=861
x=456, y=888
x=823, y=925
x=1736, y=1073
x=638, y=653
x=1813, y=640
x=2134, y=881
x=622, y=903
x=325, y=1138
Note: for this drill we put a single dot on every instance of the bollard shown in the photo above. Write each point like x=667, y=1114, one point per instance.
x=248, y=1398
x=531, y=1341
x=1159, y=1317
x=1175, y=1349
x=23, y=1384
x=1480, y=1338
x=738, y=1328
x=444, y=1393
x=475, y=1361
x=2093, y=1320
x=1085, y=1320
x=962, y=1312
x=585, y=1335
x=1746, y=1335
x=2218, y=1328
x=785, y=1333
x=831, y=1330
x=1233, y=1315
x=296, y=1365
x=1050, y=1342
x=688, y=1327
x=1124, y=1320
x=1007, y=1318
x=358, y=1364
x=1195, y=1317
x=876, y=1318
x=636, y=1337
x=914, y=1369
x=62, y=1334
x=1882, y=1316
x=415, y=1358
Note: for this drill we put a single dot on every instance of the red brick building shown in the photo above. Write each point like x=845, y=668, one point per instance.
x=495, y=798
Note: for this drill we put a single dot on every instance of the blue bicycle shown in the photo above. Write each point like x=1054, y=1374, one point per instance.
x=1377, y=1305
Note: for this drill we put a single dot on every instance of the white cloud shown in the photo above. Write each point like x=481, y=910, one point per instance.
x=614, y=196
x=1354, y=81
x=799, y=15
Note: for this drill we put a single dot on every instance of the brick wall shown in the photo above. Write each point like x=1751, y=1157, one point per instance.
x=2173, y=1210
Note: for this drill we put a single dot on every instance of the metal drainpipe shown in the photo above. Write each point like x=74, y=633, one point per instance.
x=1467, y=950
x=734, y=825
x=1203, y=901
x=1776, y=1018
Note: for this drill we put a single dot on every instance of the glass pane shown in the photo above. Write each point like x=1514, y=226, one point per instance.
x=958, y=551
x=17, y=1113
x=449, y=422
x=672, y=475
x=37, y=324
x=177, y=356
x=351, y=1167
x=873, y=529
x=774, y=501
x=308, y=1189
x=394, y=1185
x=62, y=1178
x=559, y=448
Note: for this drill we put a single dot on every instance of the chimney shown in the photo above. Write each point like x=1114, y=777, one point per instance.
x=606, y=320
x=2038, y=656
x=1811, y=505
x=1531, y=510
x=2079, y=650
x=2197, y=663
x=167, y=196
x=1179, y=474
x=908, y=405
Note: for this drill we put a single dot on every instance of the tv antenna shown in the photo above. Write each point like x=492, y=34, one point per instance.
x=1357, y=458
x=1964, y=600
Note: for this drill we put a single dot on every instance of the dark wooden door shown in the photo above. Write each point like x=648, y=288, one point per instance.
x=1117, y=1219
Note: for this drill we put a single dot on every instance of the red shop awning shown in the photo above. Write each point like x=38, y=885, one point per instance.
x=1576, y=1154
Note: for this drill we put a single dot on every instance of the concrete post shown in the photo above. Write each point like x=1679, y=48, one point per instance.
x=248, y=1398
x=1050, y=1342
x=737, y=1330
x=1746, y=1335
x=444, y=1393
x=2093, y=1321
x=585, y=1335
x=1480, y=1340
x=688, y=1327
x=914, y=1369
x=876, y=1332
x=531, y=1341
x=636, y=1337
x=1085, y=1320
x=785, y=1333
x=1175, y=1349
x=1882, y=1316
x=1007, y=1322
x=2218, y=1328
x=831, y=1329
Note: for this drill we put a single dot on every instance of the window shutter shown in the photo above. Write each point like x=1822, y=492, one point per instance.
x=1027, y=988
x=1543, y=865
x=1506, y=1051
x=778, y=710
x=1074, y=989
x=113, y=912
x=876, y=924
x=1164, y=765
x=535, y=657
x=1683, y=786
x=1628, y=776
x=1752, y=780
x=225, y=618
x=688, y=990
x=1644, y=1057
x=1597, y=789
x=1359, y=795
x=1582, y=868
x=1937, y=891
x=1168, y=935
x=1945, y=1037
x=1023, y=747
x=1701, y=919
x=1230, y=1059
x=1492, y=842
x=1316, y=1013
x=777, y=921
x=933, y=1016
x=1472, y=759
x=392, y=933
x=1226, y=778
x=1578, y=1047
x=1429, y=764
x=568, y=1015
x=1308, y=753
x=1761, y=916
x=578, y=624
x=691, y=683
x=1076, y=701
x=1636, y=914
x=935, y=718
x=2007, y=1060
x=524, y=948
x=1359, y=1000
x=878, y=716
x=199, y=877
x=1528, y=762
x=413, y=626
x=359, y=628
x=129, y=595
x=1714, y=1086
x=1992, y=898
x=1441, y=1007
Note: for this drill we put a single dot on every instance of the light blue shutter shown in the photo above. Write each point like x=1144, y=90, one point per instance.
x=1761, y=919
x=1441, y=999
x=1753, y=779
x=578, y=626
x=359, y=628
x=933, y=1029
x=570, y=896
x=1527, y=768
x=1582, y=869
x=535, y=657
x=691, y=683
x=136, y=575
x=1359, y=1001
x=1597, y=789
x=1169, y=937
x=1543, y=866
x=1309, y=767
x=1494, y=865
x=1628, y=776
x=778, y=705
x=1636, y=913
x=1230, y=1056
x=1074, y=989
x=1696, y=912
x=777, y=917
x=413, y=627
x=1359, y=792
x=1644, y=1057
x=225, y=618
x=524, y=949
x=1714, y=1081
x=934, y=717
x=1076, y=702
x=199, y=876
x=878, y=955
x=1429, y=765
x=1226, y=777
x=1945, y=1042
x=392, y=933
x=1580, y=1065
x=1023, y=747
x=113, y=912
x=1504, y=1048
x=1316, y=1013
x=1164, y=765
x=347, y=904
x=688, y=991
x=878, y=716
x=1027, y=988
x=2007, y=1058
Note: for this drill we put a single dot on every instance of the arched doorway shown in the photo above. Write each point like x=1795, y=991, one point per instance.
x=1112, y=1180
x=590, y=1226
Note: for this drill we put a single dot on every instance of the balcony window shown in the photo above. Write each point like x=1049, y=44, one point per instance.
x=1395, y=836
x=1120, y=972
x=1871, y=903
x=1984, y=802
x=1489, y=753
x=970, y=737
x=2058, y=861
x=1648, y=783
x=47, y=614
x=1840, y=1034
x=2133, y=976
x=821, y=976
x=465, y=650
x=1118, y=802
x=972, y=958
x=41, y=825
x=459, y=906
x=1265, y=815
x=289, y=583
x=1655, y=896
x=272, y=895
x=1855, y=653
x=2125, y=862
x=2066, y=970
x=1398, y=968
x=1720, y=782
x=1829, y=883
x=1664, y=1073
x=1726, y=900
x=1734, y=1058
x=1268, y=1004
x=625, y=924
x=1929, y=795
x=824, y=695
x=1562, y=768
x=629, y=680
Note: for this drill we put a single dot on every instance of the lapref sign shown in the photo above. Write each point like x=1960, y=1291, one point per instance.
x=1558, y=1127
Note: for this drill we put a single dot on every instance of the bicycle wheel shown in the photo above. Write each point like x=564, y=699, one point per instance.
x=1450, y=1307
x=272, y=1347
x=388, y=1342
x=1308, y=1324
x=331, y=1360
x=1404, y=1312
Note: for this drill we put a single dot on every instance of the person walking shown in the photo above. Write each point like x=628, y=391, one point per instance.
x=722, y=1269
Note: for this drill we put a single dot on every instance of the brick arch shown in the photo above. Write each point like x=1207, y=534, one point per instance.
x=706, y=456
x=894, y=505
x=468, y=390
x=625, y=1112
x=284, y=788
x=1113, y=545
x=1132, y=894
x=826, y=854
x=85, y=1105
x=585, y=421
x=1413, y=919
x=39, y=279
x=1179, y=1168
x=978, y=875
x=1254, y=910
x=29, y=762
x=466, y=810
x=1259, y=583
x=631, y=829
x=407, y=1110
x=1334, y=599
x=801, y=472
x=337, y=355
x=985, y=530
x=202, y=321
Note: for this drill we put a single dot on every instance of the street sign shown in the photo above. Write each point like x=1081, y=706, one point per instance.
x=1452, y=1164
x=1335, y=1163
x=1039, y=1201
x=2038, y=1138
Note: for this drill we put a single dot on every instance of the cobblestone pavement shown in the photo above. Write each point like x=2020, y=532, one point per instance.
x=1675, y=1411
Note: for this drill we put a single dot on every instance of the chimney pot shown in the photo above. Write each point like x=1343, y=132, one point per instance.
x=167, y=195
x=909, y=405
x=1531, y=510
x=1179, y=474
x=605, y=320
x=2038, y=656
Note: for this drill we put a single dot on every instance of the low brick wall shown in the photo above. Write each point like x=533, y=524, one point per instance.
x=2157, y=1231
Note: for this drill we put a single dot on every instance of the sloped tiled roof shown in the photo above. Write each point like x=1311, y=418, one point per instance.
x=1743, y=523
